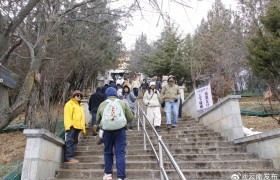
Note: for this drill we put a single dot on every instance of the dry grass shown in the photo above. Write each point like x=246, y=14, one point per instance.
x=262, y=124
x=12, y=146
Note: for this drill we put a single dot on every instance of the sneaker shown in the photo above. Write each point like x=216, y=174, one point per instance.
x=174, y=125
x=94, y=134
x=120, y=179
x=100, y=141
x=107, y=177
x=130, y=129
x=157, y=128
x=72, y=161
x=168, y=126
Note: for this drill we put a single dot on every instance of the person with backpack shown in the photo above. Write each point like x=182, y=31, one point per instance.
x=152, y=100
x=113, y=115
x=74, y=123
x=94, y=101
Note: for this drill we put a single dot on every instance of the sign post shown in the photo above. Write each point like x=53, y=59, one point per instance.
x=203, y=98
x=8, y=78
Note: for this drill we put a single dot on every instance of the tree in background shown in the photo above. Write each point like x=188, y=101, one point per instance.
x=264, y=54
x=64, y=44
x=167, y=57
x=139, y=53
x=221, y=46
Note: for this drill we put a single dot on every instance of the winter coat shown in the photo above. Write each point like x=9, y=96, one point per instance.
x=94, y=101
x=152, y=98
x=145, y=85
x=130, y=98
x=170, y=93
x=74, y=115
x=135, y=84
x=126, y=110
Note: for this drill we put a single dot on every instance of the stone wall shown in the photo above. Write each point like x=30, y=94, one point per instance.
x=189, y=106
x=266, y=145
x=223, y=117
x=43, y=154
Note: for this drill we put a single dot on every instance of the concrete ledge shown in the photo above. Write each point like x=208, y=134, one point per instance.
x=223, y=101
x=265, y=145
x=223, y=117
x=259, y=137
x=43, y=154
x=43, y=133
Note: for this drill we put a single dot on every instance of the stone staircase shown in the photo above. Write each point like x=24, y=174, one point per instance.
x=201, y=154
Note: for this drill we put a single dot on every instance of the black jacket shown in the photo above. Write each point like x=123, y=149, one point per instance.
x=94, y=101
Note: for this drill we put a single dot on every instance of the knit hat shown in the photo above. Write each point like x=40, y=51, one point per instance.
x=77, y=92
x=152, y=84
x=110, y=91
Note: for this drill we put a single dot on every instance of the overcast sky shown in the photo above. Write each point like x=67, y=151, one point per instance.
x=187, y=18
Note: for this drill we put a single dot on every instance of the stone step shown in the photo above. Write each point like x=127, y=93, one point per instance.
x=166, y=134
x=180, y=137
x=166, y=140
x=214, y=157
x=98, y=173
x=182, y=130
x=179, y=157
x=230, y=164
x=173, y=150
x=194, y=174
x=226, y=173
x=169, y=144
x=182, y=140
x=100, y=157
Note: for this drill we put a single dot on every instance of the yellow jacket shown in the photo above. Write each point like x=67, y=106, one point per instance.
x=74, y=115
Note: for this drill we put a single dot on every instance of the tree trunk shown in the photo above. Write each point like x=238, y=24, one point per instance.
x=8, y=114
x=4, y=100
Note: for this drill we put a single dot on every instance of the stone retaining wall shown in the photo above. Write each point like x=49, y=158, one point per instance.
x=223, y=117
x=266, y=145
x=43, y=154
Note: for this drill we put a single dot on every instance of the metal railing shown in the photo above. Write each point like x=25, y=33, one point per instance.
x=161, y=145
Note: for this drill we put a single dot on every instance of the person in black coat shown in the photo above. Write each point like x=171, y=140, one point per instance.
x=95, y=100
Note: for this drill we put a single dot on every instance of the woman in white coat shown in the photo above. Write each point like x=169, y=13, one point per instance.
x=152, y=100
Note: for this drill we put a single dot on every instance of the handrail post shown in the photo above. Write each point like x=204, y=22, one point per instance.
x=138, y=116
x=160, y=157
x=144, y=129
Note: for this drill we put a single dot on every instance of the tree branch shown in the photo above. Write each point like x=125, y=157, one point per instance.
x=4, y=57
x=20, y=17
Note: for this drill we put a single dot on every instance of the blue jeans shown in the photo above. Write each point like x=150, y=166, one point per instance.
x=171, y=107
x=71, y=143
x=115, y=140
x=93, y=117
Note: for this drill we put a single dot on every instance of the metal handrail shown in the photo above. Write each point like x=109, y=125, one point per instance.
x=161, y=145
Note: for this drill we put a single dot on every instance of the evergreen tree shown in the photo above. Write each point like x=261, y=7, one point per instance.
x=264, y=54
x=168, y=58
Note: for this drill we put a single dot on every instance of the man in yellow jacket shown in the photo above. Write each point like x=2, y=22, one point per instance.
x=74, y=123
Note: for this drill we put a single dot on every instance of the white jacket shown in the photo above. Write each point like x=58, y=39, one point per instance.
x=152, y=99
